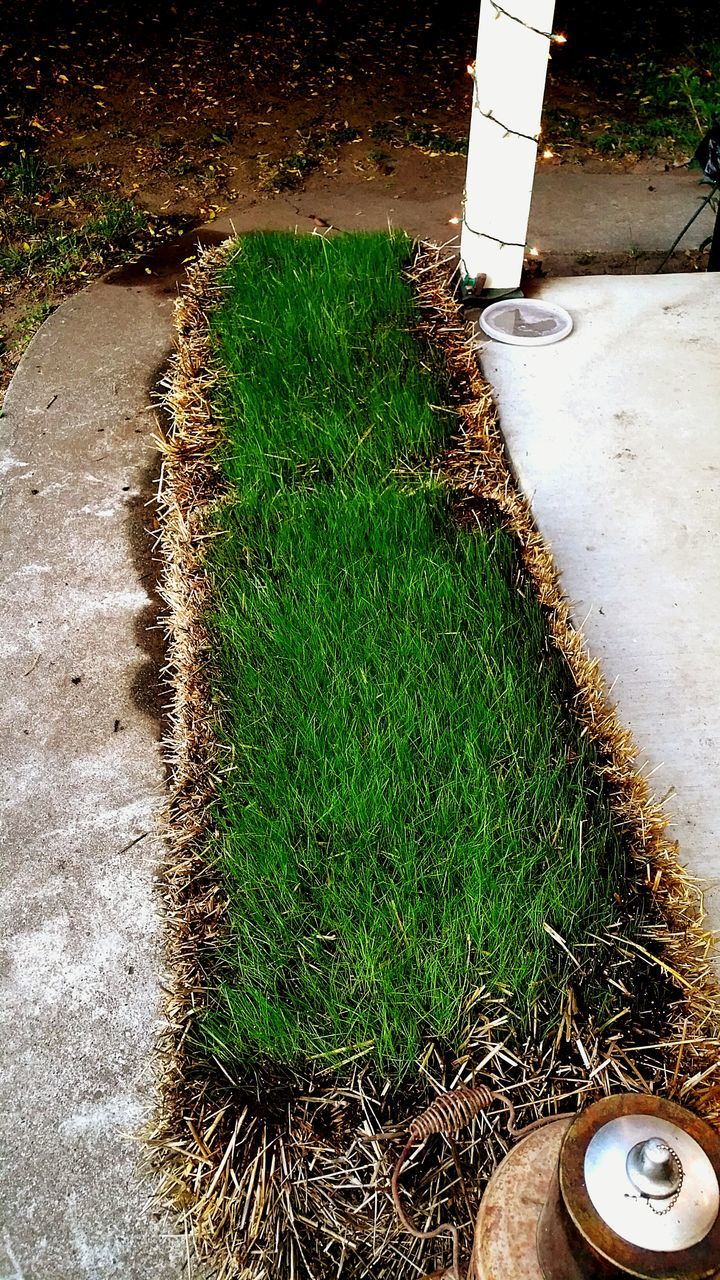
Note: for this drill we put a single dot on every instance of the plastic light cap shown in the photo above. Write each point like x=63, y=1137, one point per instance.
x=526, y=322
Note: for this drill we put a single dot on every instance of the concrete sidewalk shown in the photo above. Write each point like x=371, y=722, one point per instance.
x=80, y=930
x=614, y=434
x=590, y=213
x=574, y=213
x=82, y=781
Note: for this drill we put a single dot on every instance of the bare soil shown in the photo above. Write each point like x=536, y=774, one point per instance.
x=188, y=110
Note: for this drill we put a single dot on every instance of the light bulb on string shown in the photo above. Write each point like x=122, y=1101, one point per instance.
x=555, y=37
x=454, y=222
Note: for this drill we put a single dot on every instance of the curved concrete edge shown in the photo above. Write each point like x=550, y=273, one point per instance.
x=80, y=929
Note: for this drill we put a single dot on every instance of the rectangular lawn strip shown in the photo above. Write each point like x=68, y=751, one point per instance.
x=409, y=801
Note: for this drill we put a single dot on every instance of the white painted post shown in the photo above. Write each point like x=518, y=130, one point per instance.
x=508, y=88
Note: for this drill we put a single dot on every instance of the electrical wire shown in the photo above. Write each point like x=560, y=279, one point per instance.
x=555, y=38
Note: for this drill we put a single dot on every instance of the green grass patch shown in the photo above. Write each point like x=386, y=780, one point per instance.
x=58, y=250
x=422, y=135
x=51, y=237
x=653, y=104
x=407, y=800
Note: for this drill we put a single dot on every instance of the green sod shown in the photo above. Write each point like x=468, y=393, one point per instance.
x=407, y=800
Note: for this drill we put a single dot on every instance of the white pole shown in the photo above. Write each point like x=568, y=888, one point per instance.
x=514, y=42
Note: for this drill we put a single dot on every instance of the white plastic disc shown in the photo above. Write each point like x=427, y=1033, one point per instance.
x=526, y=322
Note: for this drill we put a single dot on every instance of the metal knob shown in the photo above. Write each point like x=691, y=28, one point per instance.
x=654, y=1169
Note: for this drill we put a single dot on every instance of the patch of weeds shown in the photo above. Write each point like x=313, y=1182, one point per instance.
x=425, y=137
x=291, y=171
x=58, y=229
x=647, y=137
x=681, y=101
x=560, y=126
x=182, y=168
x=384, y=131
x=433, y=142
x=46, y=230
x=646, y=108
x=60, y=250
x=27, y=176
x=378, y=160
x=15, y=221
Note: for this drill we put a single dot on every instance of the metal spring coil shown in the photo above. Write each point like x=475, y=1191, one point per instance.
x=450, y=1112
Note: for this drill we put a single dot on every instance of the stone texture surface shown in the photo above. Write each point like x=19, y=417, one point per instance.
x=605, y=212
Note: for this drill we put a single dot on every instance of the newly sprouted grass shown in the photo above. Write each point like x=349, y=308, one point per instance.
x=407, y=800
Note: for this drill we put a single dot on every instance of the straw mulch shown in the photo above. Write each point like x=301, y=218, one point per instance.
x=281, y=1175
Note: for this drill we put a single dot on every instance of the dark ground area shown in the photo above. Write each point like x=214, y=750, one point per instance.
x=122, y=125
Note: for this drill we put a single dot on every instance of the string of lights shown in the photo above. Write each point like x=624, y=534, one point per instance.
x=555, y=37
x=504, y=244
x=531, y=137
x=488, y=115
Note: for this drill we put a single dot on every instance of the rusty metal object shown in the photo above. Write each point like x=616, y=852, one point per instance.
x=452, y=1111
x=570, y=1223
x=448, y=1113
x=506, y=1226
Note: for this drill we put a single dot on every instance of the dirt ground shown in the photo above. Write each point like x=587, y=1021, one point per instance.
x=168, y=113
